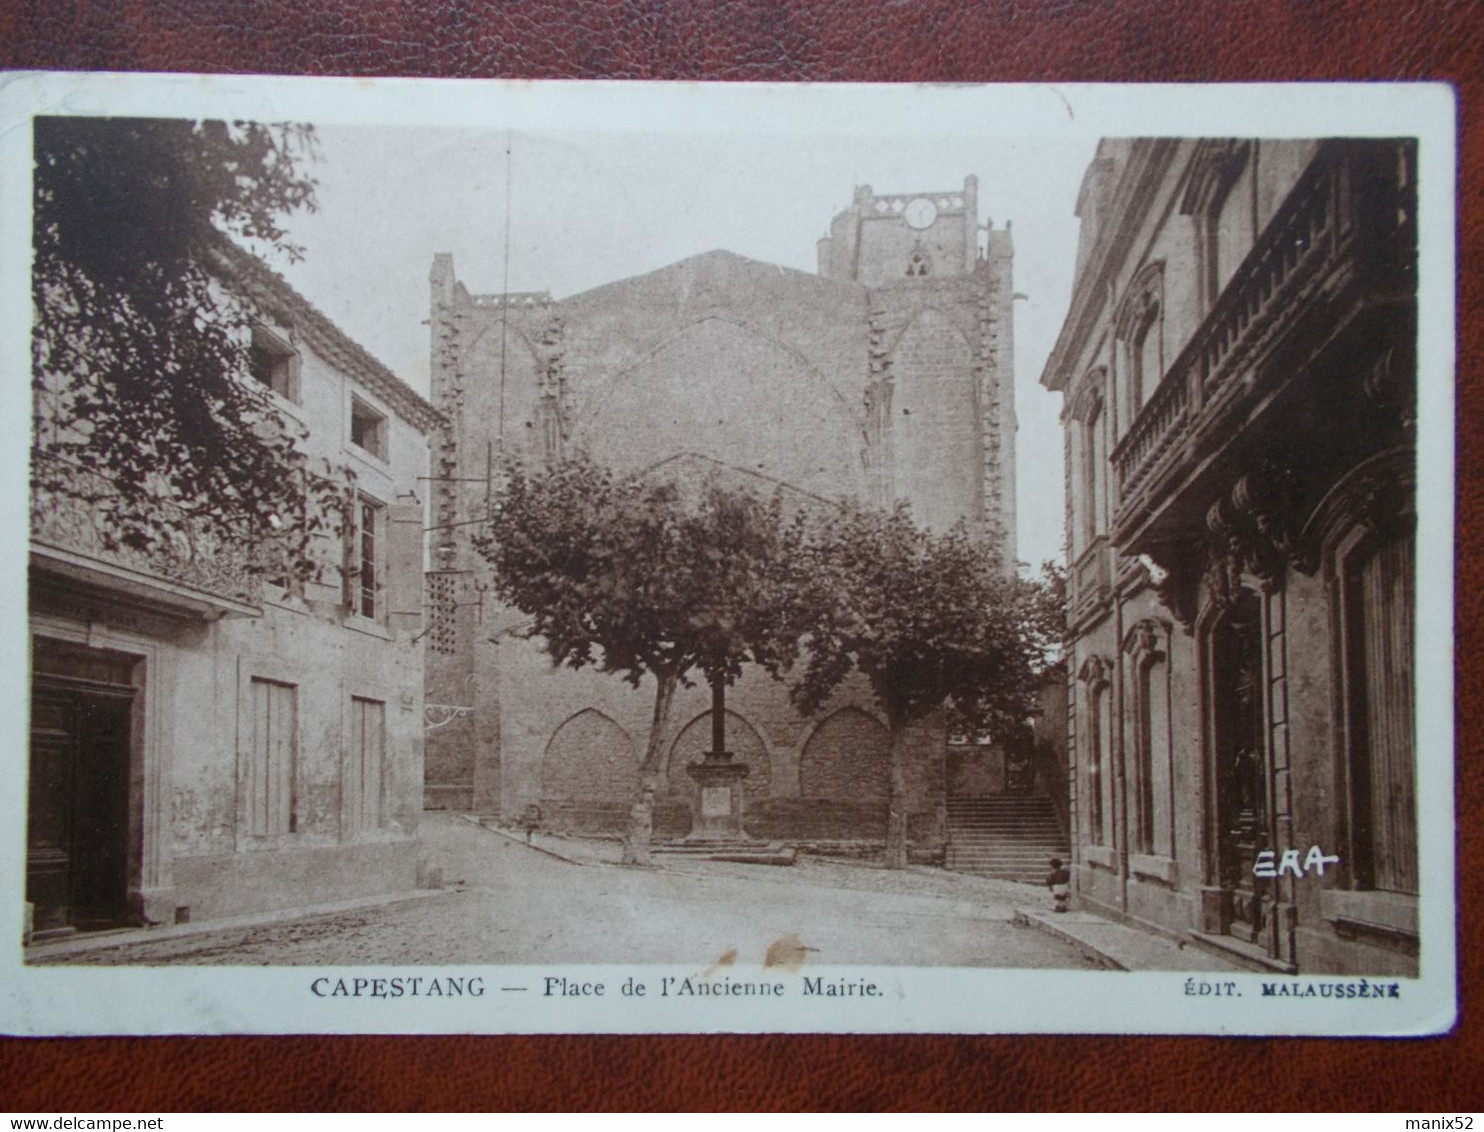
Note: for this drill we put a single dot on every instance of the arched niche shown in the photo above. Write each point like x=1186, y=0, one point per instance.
x=589, y=758
x=742, y=739
x=846, y=759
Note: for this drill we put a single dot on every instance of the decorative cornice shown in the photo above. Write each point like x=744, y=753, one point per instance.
x=1143, y=174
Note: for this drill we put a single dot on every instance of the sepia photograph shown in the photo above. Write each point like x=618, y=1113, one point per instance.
x=606, y=557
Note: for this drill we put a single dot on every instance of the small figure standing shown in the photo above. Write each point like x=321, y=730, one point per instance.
x=530, y=820
x=1059, y=880
x=641, y=827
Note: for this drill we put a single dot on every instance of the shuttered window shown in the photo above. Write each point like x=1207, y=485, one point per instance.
x=367, y=770
x=1378, y=625
x=272, y=770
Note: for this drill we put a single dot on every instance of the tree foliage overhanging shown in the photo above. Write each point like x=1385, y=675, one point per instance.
x=138, y=351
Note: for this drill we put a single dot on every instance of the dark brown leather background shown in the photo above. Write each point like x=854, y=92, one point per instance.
x=832, y=40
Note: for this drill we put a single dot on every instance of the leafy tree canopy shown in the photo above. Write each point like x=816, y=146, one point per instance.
x=139, y=351
x=927, y=619
x=641, y=577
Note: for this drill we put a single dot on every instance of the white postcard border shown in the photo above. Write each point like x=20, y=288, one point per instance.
x=120, y=1000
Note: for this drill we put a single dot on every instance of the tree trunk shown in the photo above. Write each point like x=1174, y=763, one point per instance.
x=896, y=813
x=641, y=816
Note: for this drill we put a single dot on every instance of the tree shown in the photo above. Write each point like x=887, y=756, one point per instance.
x=643, y=579
x=140, y=353
x=929, y=620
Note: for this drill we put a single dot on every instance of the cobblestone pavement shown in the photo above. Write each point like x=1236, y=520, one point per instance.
x=511, y=904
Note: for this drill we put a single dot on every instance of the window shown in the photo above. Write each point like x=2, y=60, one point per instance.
x=1103, y=737
x=365, y=556
x=1369, y=523
x=1094, y=471
x=274, y=363
x=272, y=759
x=1146, y=367
x=366, y=769
x=1141, y=332
x=367, y=428
x=1095, y=675
x=1220, y=200
x=1233, y=230
x=1151, y=830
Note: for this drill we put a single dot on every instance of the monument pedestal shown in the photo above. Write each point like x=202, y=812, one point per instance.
x=718, y=809
x=716, y=831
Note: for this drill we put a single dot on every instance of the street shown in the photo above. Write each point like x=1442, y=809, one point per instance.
x=518, y=905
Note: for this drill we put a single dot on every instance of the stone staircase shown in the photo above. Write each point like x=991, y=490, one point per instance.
x=1005, y=837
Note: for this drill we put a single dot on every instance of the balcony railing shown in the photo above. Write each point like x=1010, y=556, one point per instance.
x=71, y=514
x=1315, y=236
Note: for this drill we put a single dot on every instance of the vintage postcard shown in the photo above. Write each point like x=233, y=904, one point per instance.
x=524, y=557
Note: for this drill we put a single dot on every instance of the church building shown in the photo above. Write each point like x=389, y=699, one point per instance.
x=886, y=375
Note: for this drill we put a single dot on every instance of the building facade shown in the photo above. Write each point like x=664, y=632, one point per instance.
x=1239, y=387
x=209, y=736
x=886, y=376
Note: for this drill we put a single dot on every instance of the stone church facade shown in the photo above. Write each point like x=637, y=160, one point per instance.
x=887, y=375
x=1239, y=381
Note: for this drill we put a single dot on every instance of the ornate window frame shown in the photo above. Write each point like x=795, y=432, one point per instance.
x=1089, y=413
x=1146, y=644
x=1214, y=169
x=1140, y=317
x=1096, y=677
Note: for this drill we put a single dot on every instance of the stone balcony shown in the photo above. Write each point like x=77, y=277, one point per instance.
x=189, y=568
x=1333, y=247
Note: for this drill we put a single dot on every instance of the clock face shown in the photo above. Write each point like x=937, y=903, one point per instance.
x=920, y=213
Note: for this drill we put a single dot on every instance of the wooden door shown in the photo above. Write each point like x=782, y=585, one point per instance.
x=1240, y=751
x=77, y=863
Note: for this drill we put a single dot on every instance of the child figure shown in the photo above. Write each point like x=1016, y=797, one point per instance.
x=530, y=820
x=1059, y=880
